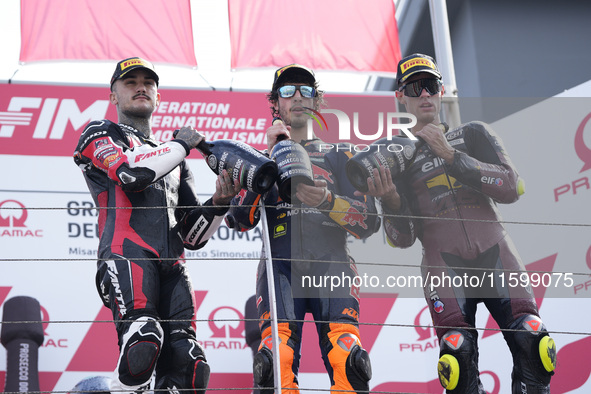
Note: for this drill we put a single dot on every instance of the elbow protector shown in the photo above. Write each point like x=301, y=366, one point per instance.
x=134, y=179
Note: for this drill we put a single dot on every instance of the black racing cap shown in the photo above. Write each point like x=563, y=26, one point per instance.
x=132, y=63
x=291, y=70
x=415, y=63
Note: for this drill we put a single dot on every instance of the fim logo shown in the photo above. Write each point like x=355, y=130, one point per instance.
x=65, y=112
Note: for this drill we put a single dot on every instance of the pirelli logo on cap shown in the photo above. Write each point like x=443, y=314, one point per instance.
x=416, y=62
x=134, y=62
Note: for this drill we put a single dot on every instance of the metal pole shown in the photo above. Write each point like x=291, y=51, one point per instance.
x=445, y=61
x=272, y=300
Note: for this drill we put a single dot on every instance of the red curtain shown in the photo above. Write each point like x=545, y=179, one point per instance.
x=321, y=34
x=157, y=30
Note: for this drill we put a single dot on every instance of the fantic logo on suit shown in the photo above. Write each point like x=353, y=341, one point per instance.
x=53, y=118
x=158, y=152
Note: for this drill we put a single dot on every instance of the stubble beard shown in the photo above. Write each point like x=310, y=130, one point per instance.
x=138, y=113
x=296, y=122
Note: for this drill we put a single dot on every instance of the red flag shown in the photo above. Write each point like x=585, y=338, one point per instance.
x=328, y=34
x=157, y=30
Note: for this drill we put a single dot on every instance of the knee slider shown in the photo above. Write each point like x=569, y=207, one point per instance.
x=263, y=368
x=457, y=348
x=359, y=364
x=140, y=349
x=201, y=373
x=196, y=366
x=533, y=342
x=547, y=349
x=448, y=370
x=349, y=360
x=189, y=368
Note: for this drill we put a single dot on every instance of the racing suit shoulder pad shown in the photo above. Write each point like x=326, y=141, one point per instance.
x=476, y=126
x=97, y=129
x=103, y=124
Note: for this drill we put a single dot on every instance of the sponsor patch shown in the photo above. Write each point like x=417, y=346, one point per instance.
x=454, y=340
x=416, y=62
x=134, y=62
x=196, y=231
x=438, y=306
x=408, y=151
x=280, y=230
x=212, y=162
x=490, y=180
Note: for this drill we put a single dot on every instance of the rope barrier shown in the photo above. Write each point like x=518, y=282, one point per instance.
x=359, y=263
x=211, y=389
x=395, y=325
x=302, y=209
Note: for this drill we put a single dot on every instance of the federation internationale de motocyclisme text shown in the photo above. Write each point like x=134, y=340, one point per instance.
x=485, y=280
